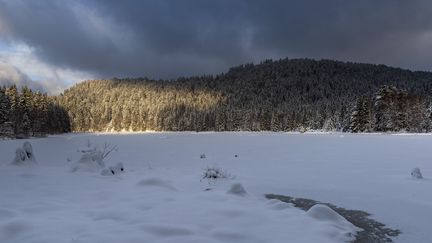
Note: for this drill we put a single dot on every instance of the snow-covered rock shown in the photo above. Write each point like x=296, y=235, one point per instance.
x=237, y=189
x=416, y=173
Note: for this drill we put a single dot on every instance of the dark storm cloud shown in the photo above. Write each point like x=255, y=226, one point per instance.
x=166, y=39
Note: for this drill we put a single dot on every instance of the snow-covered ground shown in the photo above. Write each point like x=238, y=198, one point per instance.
x=160, y=198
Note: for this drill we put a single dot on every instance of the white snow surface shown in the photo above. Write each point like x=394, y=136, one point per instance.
x=159, y=197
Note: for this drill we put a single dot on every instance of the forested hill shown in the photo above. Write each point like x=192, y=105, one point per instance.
x=284, y=95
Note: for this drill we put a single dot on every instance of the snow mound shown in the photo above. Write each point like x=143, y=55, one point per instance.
x=237, y=189
x=113, y=170
x=416, y=173
x=90, y=161
x=20, y=157
x=29, y=151
x=343, y=229
x=325, y=213
x=24, y=155
x=108, y=171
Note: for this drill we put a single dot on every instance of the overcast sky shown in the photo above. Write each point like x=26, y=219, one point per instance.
x=59, y=42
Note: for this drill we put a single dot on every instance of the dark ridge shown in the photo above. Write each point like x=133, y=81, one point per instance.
x=283, y=95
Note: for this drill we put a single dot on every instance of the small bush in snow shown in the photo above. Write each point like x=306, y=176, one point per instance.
x=92, y=158
x=415, y=173
x=214, y=173
x=202, y=156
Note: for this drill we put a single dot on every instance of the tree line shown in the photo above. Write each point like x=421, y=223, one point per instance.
x=283, y=95
x=24, y=113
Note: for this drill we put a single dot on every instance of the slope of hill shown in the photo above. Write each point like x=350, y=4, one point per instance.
x=284, y=95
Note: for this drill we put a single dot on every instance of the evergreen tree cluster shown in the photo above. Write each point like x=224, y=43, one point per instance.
x=284, y=95
x=26, y=113
x=391, y=109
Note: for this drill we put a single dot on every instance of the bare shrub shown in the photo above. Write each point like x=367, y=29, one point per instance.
x=214, y=173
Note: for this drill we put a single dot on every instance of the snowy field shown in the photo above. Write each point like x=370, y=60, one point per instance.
x=160, y=197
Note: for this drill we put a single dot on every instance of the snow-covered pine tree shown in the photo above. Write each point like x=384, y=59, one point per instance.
x=14, y=112
x=40, y=114
x=361, y=116
x=400, y=111
x=417, y=115
x=25, y=125
x=4, y=107
x=384, y=109
x=25, y=110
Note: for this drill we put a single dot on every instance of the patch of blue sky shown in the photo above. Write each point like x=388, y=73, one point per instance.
x=4, y=47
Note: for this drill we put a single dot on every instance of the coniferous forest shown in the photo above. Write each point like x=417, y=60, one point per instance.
x=284, y=95
x=26, y=113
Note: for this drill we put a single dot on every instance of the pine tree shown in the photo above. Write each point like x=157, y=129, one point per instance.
x=361, y=116
x=26, y=125
x=384, y=108
x=401, y=111
x=26, y=110
x=14, y=112
x=39, y=114
x=4, y=107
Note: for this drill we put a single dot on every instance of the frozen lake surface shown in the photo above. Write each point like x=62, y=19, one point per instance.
x=160, y=196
